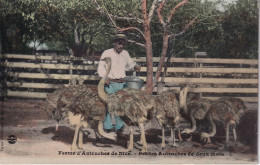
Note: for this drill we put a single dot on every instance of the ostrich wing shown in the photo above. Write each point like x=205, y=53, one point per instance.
x=69, y=94
x=52, y=104
x=89, y=105
x=199, y=108
x=167, y=105
x=133, y=104
x=222, y=111
x=236, y=102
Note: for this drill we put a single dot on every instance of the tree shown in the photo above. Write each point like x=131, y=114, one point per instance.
x=142, y=14
x=27, y=21
x=240, y=26
x=70, y=21
x=79, y=21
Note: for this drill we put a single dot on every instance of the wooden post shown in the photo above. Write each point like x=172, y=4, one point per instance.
x=3, y=70
x=71, y=61
x=160, y=86
x=200, y=55
x=201, y=66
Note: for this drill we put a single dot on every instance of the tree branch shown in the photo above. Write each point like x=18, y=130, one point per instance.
x=184, y=29
x=174, y=9
x=131, y=28
x=127, y=18
x=102, y=11
x=151, y=12
x=114, y=24
x=159, y=13
x=137, y=43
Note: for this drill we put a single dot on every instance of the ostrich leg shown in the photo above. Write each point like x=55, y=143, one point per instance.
x=75, y=138
x=141, y=140
x=131, y=140
x=163, y=132
x=179, y=134
x=227, y=133
x=141, y=125
x=207, y=136
x=57, y=126
x=163, y=139
x=173, y=137
x=235, y=134
x=80, y=142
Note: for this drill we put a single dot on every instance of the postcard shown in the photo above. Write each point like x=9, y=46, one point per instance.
x=133, y=82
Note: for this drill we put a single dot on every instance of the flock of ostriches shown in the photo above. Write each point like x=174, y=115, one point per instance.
x=85, y=106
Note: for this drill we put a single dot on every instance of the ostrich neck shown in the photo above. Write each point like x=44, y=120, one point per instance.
x=101, y=90
x=183, y=99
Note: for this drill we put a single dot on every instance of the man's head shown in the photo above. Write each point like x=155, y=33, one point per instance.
x=119, y=42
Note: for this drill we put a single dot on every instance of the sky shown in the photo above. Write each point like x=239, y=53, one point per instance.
x=225, y=2
x=229, y=1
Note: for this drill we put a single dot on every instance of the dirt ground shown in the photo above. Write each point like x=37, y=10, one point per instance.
x=39, y=142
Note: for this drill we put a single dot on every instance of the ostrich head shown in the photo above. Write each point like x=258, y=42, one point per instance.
x=193, y=97
x=107, y=61
x=108, y=67
x=101, y=91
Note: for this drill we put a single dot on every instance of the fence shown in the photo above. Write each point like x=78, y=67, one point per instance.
x=32, y=76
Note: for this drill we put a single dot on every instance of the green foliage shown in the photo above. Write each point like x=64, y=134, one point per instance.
x=48, y=20
x=231, y=33
x=240, y=26
x=203, y=32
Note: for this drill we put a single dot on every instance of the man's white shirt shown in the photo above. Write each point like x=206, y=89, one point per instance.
x=120, y=63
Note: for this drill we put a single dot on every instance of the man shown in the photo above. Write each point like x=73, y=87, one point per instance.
x=121, y=62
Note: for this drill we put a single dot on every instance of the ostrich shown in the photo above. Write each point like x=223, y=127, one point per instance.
x=223, y=112
x=51, y=104
x=81, y=106
x=87, y=111
x=239, y=105
x=167, y=112
x=134, y=107
x=51, y=107
x=239, y=108
x=193, y=106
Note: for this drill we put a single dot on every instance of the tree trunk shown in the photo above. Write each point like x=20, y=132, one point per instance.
x=148, y=48
x=76, y=37
x=149, y=62
x=162, y=59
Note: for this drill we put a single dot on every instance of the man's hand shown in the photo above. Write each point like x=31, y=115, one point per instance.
x=137, y=68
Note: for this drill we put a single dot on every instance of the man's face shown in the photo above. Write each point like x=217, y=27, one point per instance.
x=119, y=46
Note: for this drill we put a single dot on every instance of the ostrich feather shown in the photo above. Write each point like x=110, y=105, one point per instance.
x=89, y=105
x=131, y=103
x=238, y=104
x=167, y=106
x=51, y=106
x=222, y=111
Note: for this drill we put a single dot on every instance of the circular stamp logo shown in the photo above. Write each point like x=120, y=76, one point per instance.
x=12, y=139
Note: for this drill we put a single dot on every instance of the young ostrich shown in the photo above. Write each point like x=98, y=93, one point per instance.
x=193, y=106
x=51, y=104
x=167, y=112
x=81, y=106
x=87, y=111
x=223, y=112
x=239, y=106
x=134, y=107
